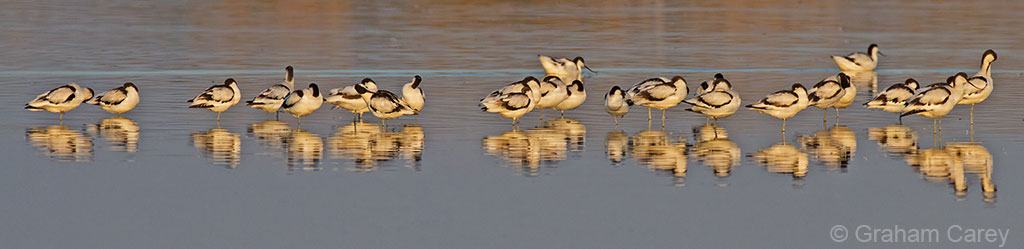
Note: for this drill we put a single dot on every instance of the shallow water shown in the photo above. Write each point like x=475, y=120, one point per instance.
x=165, y=176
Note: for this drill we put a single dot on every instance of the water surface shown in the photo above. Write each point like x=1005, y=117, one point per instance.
x=164, y=176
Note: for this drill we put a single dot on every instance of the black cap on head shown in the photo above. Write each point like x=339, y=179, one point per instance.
x=416, y=81
x=719, y=76
x=529, y=78
x=992, y=52
x=551, y=77
x=360, y=89
x=579, y=85
x=615, y=88
x=578, y=59
x=798, y=86
x=229, y=81
x=678, y=78
x=316, y=89
x=366, y=80
x=844, y=80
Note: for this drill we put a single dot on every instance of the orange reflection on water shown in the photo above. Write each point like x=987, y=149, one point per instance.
x=60, y=143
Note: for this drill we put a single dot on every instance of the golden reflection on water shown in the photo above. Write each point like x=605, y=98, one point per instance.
x=531, y=148
x=783, y=159
x=122, y=133
x=833, y=147
x=895, y=140
x=60, y=143
x=713, y=148
x=221, y=146
x=952, y=164
x=654, y=149
x=304, y=150
x=616, y=145
x=271, y=134
x=369, y=145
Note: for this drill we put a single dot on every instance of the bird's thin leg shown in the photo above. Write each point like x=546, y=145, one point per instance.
x=837, y=113
x=783, y=125
x=616, y=121
x=277, y=116
x=218, y=117
x=662, y=118
x=972, y=115
x=900, y=118
x=562, y=115
x=648, y=114
x=824, y=116
x=541, y=114
x=60, y=118
x=934, y=122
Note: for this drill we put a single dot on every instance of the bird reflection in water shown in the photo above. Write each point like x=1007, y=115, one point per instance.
x=895, y=140
x=122, y=133
x=60, y=143
x=220, y=145
x=271, y=134
x=658, y=152
x=304, y=150
x=952, y=164
x=783, y=159
x=713, y=148
x=530, y=149
x=867, y=79
x=616, y=145
x=833, y=147
x=369, y=145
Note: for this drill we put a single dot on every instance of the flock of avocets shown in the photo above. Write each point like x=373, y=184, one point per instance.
x=562, y=89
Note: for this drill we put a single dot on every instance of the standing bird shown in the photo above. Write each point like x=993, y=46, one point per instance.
x=658, y=93
x=576, y=97
x=514, y=100
x=783, y=104
x=349, y=99
x=384, y=104
x=60, y=100
x=552, y=92
x=413, y=94
x=715, y=104
x=857, y=61
x=895, y=98
x=615, y=103
x=717, y=84
x=849, y=94
x=827, y=93
x=303, y=102
x=567, y=70
x=218, y=98
x=979, y=86
x=938, y=100
x=270, y=100
x=118, y=100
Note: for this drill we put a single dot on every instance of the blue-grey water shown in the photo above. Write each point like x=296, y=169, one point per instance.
x=165, y=176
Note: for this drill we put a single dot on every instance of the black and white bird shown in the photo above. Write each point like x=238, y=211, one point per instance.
x=938, y=100
x=514, y=100
x=894, y=98
x=61, y=99
x=576, y=95
x=783, y=104
x=828, y=92
x=349, y=99
x=658, y=93
x=567, y=70
x=118, y=100
x=615, y=103
x=719, y=83
x=218, y=98
x=413, y=94
x=552, y=92
x=715, y=104
x=270, y=100
x=857, y=61
x=980, y=86
x=384, y=104
x=303, y=102
x=849, y=92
